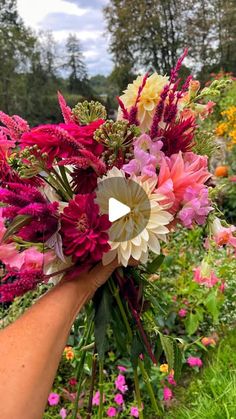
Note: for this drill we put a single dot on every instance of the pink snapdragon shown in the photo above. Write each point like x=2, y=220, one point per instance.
x=120, y=383
x=196, y=206
x=53, y=399
x=194, y=361
x=111, y=412
x=204, y=275
x=167, y=394
x=134, y=412
x=119, y=399
x=223, y=235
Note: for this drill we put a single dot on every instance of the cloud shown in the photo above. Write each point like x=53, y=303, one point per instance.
x=91, y=4
x=89, y=21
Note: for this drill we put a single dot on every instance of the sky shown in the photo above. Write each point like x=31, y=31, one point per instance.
x=83, y=17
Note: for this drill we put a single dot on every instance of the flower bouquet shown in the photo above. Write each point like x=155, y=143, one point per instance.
x=56, y=186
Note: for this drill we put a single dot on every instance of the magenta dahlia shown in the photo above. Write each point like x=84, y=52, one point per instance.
x=84, y=231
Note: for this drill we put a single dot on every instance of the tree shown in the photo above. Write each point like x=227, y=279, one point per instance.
x=76, y=66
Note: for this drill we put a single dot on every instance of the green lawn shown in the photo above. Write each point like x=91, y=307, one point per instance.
x=213, y=394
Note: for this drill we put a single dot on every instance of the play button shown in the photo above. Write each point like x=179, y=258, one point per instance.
x=127, y=205
x=117, y=210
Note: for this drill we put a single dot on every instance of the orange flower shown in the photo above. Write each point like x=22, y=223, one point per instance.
x=69, y=353
x=221, y=171
x=206, y=341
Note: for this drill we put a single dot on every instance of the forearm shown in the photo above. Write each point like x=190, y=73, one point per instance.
x=31, y=348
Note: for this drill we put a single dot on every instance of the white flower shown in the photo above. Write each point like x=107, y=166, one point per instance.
x=148, y=213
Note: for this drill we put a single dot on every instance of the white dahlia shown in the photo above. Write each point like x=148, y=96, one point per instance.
x=139, y=231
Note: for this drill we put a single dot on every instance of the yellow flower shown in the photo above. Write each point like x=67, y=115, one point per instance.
x=164, y=367
x=149, y=98
x=221, y=128
x=69, y=353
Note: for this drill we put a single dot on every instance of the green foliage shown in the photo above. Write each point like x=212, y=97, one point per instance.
x=102, y=319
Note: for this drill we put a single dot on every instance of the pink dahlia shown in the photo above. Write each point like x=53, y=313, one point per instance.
x=84, y=231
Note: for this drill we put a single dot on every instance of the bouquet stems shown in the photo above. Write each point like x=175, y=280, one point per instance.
x=101, y=379
x=137, y=392
x=156, y=408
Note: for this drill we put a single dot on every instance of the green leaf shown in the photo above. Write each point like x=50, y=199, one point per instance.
x=155, y=264
x=192, y=323
x=18, y=222
x=178, y=362
x=212, y=306
x=168, y=347
x=158, y=348
x=102, y=318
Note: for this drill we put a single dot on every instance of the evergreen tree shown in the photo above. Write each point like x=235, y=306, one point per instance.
x=76, y=66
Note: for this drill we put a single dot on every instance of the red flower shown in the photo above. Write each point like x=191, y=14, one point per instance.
x=178, y=137
x=84, y=135
x=84, y=230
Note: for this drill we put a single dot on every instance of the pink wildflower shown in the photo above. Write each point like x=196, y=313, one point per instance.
x=171, y=380
x=204, y=275
x=182, y=312
x=194, y=361
x=167, y=394
x=223, y=235
x=134, y=412
x=119, y=399
x=111, y=411
x=53, y=399
x=121, y=368
x=120, y=383
x=63, y=413
x=72, y=381
x=96, y=399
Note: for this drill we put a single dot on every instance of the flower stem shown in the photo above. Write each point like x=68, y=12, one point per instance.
x=115, y=292
x=79, y=372
x=137, y=392
x=93, y=376
x=101, y=377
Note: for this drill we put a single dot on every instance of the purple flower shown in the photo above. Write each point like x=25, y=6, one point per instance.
x=111, y=411
x=194, y=361
x=96, y=399
x=63, y=413
x=134, y=412
x=53, y=399
x=119, y=399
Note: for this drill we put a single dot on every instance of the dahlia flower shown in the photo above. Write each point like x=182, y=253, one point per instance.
x=155, y=229
x=149, y=98
x=84, y=231
x=223, y=235
x=179, y=172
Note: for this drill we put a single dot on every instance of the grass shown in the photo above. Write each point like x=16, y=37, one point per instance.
x=213, y=394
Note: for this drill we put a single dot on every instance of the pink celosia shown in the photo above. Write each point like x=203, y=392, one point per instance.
x=196, y=206
x=204, y=275
x=179, y=172
x=53, y=399
x=63, y=413
x=65, y=109
x=120, y=383
x=167, y=394
x=111, y=411
x=20, y=282
x=223, y=235
x=182, y=312
x=194, y=361
x=119, y=399
x=14, y=125
x=134, y=412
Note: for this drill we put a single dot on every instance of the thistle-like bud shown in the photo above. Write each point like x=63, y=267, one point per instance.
x=116, y=135
x=87, y=112
x=28, y=162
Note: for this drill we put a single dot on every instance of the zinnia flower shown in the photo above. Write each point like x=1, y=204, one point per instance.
x=164, y=368
x=84, y=230
x=149, y=98
x=194, y=361
x=155, y=230
x=207, y=341
x=53, y=399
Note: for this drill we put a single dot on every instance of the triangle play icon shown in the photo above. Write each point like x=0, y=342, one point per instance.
x=117, y=210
